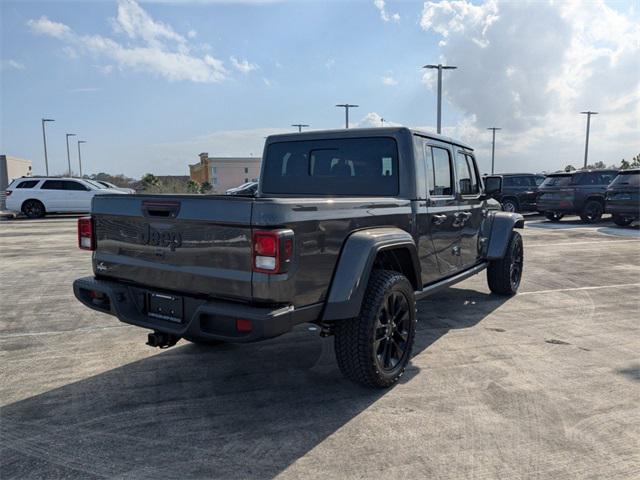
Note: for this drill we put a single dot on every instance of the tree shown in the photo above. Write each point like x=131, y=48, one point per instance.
x=569, y=168
x=193, y=187
x=635, y=161
x=205, y=187
x=624, y=164
x=150, y=180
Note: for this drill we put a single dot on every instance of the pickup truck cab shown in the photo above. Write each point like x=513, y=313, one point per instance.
x=579, y=193
x=347, y=230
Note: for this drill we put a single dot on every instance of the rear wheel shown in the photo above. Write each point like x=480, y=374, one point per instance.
x=33, y=209
x=622, y=221
x=374, y=348
x=553, y=216
x=592, y=212
x=510, y=206
x=504, y=274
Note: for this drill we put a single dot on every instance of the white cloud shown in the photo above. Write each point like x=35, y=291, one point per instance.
x=373, y=119
x=389, y=81
x=105, y=69
x=384, y=15
x=11, y=64
x=152, y=46
x=330, y=63
x=243, y=66
x=192, y=34
x=531, y=67
x=267, y=82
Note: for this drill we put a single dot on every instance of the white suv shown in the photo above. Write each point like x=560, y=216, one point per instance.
x=37, y=196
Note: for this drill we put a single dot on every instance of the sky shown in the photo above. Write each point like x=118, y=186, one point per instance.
x=150, y=84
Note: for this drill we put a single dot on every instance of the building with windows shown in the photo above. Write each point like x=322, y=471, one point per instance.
x=225, y=172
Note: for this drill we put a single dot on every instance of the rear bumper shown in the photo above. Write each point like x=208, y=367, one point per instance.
x=203, y=319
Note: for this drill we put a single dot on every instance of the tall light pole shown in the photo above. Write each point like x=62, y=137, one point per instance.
x=44, y=140
x=493, y=146
x=381, y=122
x=588, y=113
x=300, y=126
x=80, y=156
x=346, y=107
x=440, y=67
x=68, y=156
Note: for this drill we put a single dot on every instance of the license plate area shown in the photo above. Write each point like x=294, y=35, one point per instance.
x=165, y=307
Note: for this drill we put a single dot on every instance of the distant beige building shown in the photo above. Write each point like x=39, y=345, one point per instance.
x=10, y=169
x=225, y=172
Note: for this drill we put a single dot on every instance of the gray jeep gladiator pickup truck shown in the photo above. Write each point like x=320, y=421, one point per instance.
x=347, y=230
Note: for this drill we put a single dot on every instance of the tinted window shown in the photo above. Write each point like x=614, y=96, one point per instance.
x=52, y=185
x=354, y=166
x=69, y=185
x=539, y=179
x=28, y=184
x=475, y=184
x=605, y=178
x=631, y=179
x=556, y=181
x=525, y=182
x=467, y=181
x=439, y=172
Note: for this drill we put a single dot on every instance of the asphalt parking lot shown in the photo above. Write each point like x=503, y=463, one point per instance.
x=542, y=385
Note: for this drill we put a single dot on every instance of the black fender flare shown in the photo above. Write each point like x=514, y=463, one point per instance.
x=355, y=264
x=497, y=229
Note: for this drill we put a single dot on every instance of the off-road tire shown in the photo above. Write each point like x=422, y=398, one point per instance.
x=34, y=209
x=553, y=216
x=622, y=221
x=500, y=274
x=355, y=339
x=510, y=205
x=592, y=211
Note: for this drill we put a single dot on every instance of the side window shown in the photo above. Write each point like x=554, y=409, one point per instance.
x=52, y=185
x=475, y=184
x=509, y=181
x=28, y=184
x=69, y=185
x=606, y=178
x=441, y=184
x=539, y=179
x=464, y=175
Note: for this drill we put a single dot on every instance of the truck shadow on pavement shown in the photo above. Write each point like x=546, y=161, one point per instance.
x=234, y=411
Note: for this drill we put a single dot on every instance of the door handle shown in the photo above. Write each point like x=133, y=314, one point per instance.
x=438, y=219
x=464, y=215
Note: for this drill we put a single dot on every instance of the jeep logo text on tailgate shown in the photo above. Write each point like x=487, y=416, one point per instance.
x=151, y=236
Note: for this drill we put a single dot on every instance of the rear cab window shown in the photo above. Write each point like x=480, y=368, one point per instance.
x=631, y=179
x=341, y=166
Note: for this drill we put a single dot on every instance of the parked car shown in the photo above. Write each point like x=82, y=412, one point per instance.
x=246, y=189
x=622, y=199
x=579, y=193
x=115, y=187
x=516, y=192
x=348, y=229
x=37, y=196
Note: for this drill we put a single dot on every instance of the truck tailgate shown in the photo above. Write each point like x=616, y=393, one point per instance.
x=195, y=244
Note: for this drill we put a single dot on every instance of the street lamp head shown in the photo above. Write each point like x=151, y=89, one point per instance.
x=589, y=113
x=494, y=128
x=71, y=134
x=48, y=120
x=443, y=67
x=82, y=141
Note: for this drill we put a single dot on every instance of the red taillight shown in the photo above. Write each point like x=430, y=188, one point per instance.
x=8, y=192
x=86, y=238
x=272, y=250
x=243, y=325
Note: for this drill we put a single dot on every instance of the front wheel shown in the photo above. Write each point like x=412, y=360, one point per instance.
x=374, y=348
x=553, y=216
x=622, y=221
x=504, y=275
x=592, y=212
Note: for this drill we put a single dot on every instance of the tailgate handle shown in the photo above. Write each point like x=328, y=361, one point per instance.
x=160, y=209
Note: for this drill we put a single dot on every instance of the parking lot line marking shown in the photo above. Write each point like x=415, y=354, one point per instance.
x=582, y=288
x=549, y=244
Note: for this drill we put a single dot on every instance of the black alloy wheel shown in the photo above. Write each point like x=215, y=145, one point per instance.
x=509, y=206
x=393, y=323
x=592, y=212
x=33, y=209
